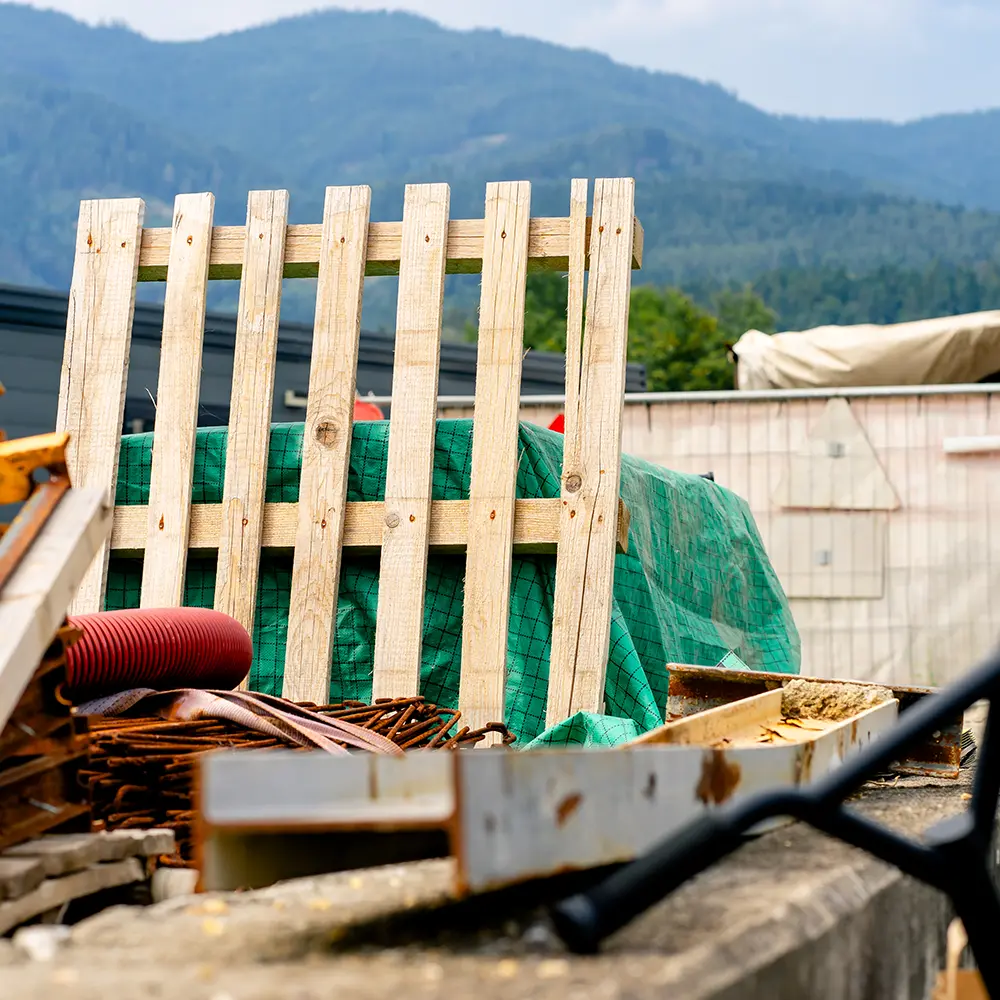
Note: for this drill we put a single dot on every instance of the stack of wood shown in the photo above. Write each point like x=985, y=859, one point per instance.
x=43, y=749
x=42, y=877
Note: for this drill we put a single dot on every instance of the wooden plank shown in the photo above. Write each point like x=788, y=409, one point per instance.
x=34, y=599
x=493, y=478
x=955, y=983
x=399, y=624
x=172, y=467
x=716, y=723
x=250, y=406
x=118, y=844
x=19, y=876
x=536, y=527
x=55, y=892
x=62, y=853
x=585, y=563
x=326, y=446
x=96, y=355
x=574, y=313
x=548, y=248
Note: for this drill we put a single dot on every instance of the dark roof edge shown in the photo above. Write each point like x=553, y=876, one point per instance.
x=44, y=310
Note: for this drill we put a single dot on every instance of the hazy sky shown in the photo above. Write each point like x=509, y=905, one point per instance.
x=894, y=59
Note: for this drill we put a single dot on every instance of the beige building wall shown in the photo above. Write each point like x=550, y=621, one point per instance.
x=884, y=541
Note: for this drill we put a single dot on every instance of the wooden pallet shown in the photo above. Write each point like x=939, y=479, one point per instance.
x=584, y=526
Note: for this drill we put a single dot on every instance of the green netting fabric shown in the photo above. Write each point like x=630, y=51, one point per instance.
x=694, y=585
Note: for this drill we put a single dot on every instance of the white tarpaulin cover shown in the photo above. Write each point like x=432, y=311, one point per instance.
x=953, y=349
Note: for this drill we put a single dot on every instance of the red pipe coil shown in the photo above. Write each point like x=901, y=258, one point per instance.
x=163, y=649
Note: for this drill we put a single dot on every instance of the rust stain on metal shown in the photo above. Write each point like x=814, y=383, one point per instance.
x=649, y=791
x=804, y=763
x=720, y=777
x=567, y=807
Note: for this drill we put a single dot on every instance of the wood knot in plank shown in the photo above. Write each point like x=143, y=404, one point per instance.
x=573, y=483
x=392, y=519
x=326, y=433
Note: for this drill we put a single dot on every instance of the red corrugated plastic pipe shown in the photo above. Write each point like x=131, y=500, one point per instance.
x=162, y=648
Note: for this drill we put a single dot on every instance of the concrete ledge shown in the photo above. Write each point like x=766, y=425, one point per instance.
x=792, y=914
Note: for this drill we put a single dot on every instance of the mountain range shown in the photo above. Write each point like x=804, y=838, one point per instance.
x=725, y=190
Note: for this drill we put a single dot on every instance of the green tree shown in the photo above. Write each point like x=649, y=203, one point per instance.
x=545, y=312
x=739, y=311
x=681, y=344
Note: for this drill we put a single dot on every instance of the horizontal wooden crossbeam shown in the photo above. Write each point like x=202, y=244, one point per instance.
x=548, y=248
x=536, y=526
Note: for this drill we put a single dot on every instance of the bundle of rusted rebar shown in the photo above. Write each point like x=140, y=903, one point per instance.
x=141, y=769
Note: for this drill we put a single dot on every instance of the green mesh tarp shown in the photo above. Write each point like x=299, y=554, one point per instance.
x=694, y=585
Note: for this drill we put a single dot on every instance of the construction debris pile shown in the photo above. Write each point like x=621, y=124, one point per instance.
x=141, y=770
x=42, y=750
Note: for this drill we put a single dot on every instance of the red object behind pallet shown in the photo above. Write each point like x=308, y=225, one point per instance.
x=162, y=648
x=367, y=411
x=559, y=424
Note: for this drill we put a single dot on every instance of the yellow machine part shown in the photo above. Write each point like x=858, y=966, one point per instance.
x=20, y=459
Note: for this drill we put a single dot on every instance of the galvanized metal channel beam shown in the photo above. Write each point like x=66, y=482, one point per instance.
x=504, y=816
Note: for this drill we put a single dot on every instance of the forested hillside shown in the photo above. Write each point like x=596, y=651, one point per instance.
x=825, y=221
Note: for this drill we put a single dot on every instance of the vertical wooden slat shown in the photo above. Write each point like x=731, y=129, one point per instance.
x=250, y=406
x=95, y=359
x=586, y=557
x=410, y=465
x=494, y=454
x=326, y=445
x=177, y=394
x=574, y=313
